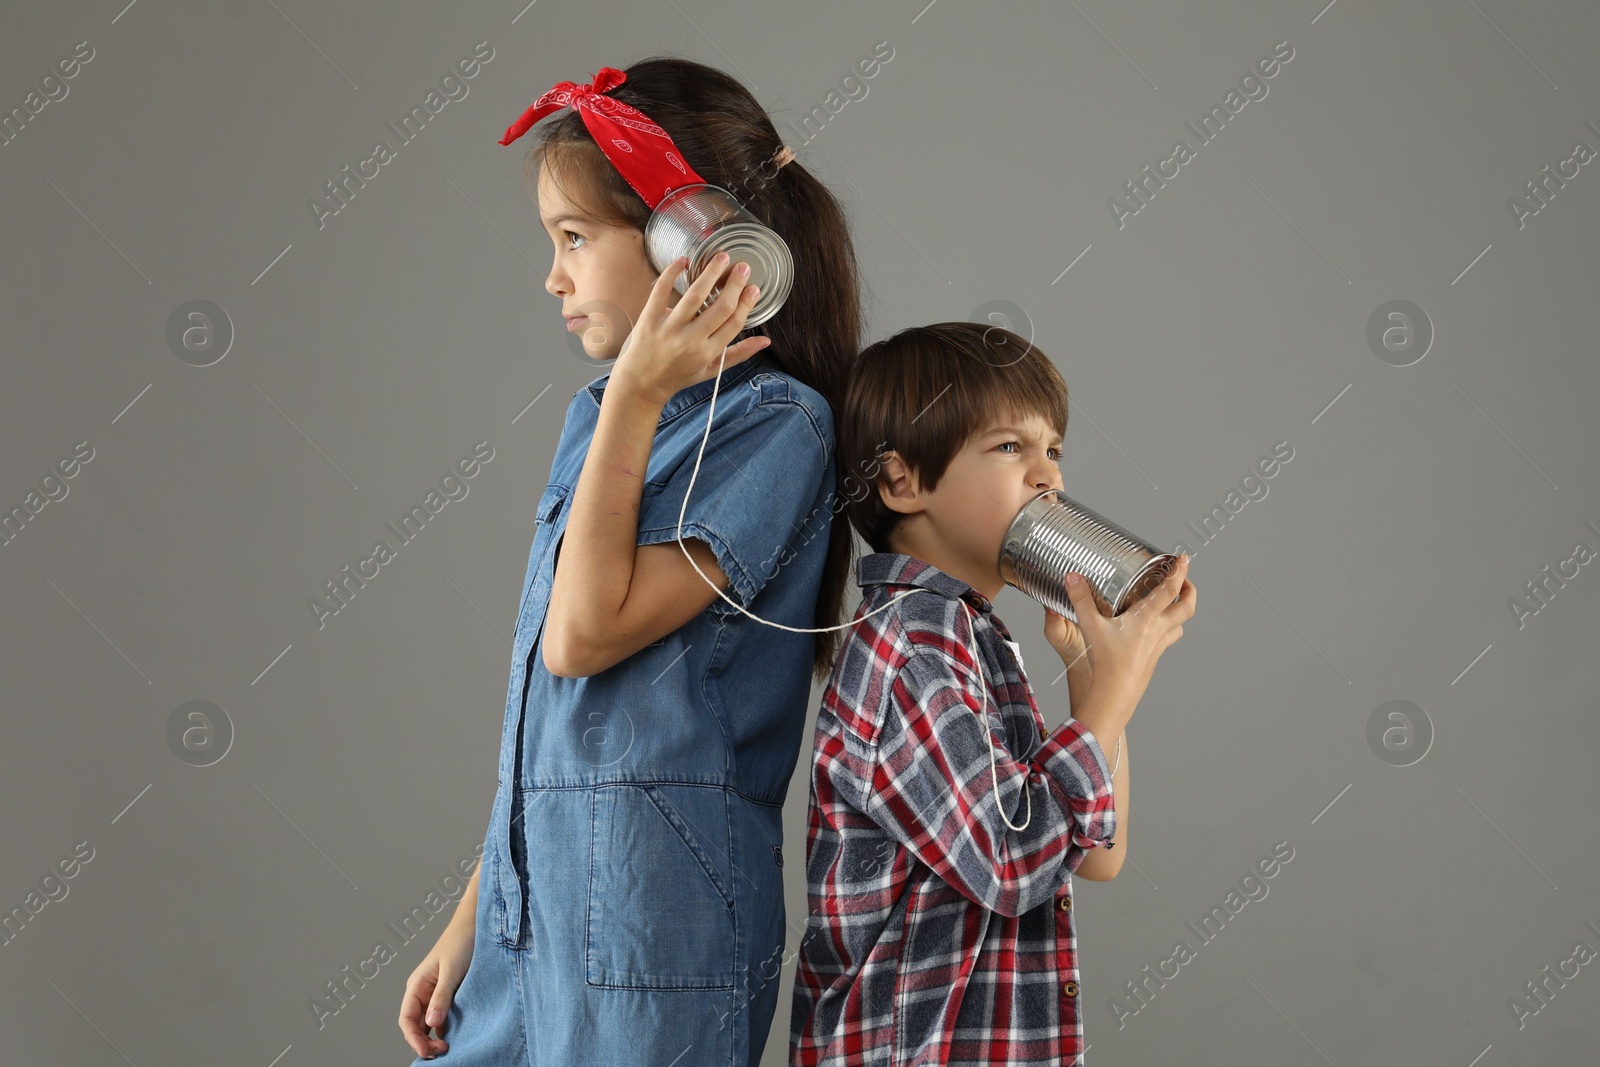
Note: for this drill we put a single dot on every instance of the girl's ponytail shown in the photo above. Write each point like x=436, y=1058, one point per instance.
x=815, y=337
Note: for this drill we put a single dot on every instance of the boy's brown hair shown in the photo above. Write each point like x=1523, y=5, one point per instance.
x=924, y=393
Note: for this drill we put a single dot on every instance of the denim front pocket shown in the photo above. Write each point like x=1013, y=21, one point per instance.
x=661, y=907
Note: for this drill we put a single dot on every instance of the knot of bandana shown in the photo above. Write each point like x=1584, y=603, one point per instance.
x=641, y=151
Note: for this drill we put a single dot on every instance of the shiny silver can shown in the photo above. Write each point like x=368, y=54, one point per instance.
x=698, y=221
x=1054, y=534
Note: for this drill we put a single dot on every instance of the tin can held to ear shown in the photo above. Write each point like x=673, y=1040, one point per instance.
x=1054, y=534
x=699, y=221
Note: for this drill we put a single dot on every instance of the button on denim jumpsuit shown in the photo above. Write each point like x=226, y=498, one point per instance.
x=630, y=902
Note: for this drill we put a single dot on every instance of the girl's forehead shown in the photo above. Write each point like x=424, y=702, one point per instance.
x=551, y=198
x=555, y=206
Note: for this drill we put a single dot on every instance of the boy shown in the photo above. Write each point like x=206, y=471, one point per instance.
x=945, y=819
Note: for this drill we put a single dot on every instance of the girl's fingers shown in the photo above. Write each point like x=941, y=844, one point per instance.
x=739, y=305
x=724, y=317
x=737, y=353
x=412, y=1024
x=666, y=282
x=694, y=297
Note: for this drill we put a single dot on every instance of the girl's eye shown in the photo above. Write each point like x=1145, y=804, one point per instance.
x=569, y=234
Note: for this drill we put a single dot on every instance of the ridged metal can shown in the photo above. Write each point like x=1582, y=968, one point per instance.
x=699, y=221
x=1054, y=534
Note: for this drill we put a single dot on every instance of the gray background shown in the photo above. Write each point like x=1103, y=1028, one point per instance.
x=1228, y=315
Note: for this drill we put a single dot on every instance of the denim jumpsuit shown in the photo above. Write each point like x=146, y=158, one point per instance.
x=630, y=901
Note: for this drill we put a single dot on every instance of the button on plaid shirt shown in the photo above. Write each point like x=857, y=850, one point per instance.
x=938, y=935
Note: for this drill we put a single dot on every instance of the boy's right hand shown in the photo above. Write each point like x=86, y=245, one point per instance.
x=1123, y=650
x=432, y=987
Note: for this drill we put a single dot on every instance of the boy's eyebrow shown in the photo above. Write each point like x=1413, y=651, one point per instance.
x=564, y=218
x=1012, y=430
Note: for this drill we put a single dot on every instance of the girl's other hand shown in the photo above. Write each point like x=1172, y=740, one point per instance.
x=432, y=987
x=673, y=346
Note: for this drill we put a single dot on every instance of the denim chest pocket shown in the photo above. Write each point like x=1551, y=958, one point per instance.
x=550, y=503
x=661, y=906
x=544, y=518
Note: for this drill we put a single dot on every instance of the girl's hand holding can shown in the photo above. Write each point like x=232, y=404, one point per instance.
x=673, y=346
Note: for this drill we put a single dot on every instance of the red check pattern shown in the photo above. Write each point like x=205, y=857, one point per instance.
x=937, y=934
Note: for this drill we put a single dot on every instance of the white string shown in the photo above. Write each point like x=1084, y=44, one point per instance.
x=983, y=689
x=993, y=774
x=716, y=383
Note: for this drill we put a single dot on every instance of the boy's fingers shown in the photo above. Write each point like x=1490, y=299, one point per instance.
x=1082, y=595
x=1173, y=585
x=1188, y=599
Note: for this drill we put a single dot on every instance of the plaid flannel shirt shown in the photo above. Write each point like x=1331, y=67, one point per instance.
x=936, y=933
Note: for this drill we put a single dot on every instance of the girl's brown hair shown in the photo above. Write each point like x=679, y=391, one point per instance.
x=726, y=136
x=922, y=394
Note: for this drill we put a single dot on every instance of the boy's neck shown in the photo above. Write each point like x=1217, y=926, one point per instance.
x=985, y=579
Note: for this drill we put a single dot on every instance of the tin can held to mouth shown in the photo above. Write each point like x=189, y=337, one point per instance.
x=1054, y=534
x=698, y=221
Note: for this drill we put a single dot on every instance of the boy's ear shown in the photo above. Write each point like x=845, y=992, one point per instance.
x=897, y=486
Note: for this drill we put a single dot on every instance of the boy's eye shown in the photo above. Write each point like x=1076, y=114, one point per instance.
x=570, y=235
x=1003, y=444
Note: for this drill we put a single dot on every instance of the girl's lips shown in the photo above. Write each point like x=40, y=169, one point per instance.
x=576, y=322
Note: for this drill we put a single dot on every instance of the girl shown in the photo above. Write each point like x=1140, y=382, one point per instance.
x=629, y=904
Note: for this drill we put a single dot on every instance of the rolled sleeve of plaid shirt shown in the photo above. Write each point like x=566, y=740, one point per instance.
x=933, y=790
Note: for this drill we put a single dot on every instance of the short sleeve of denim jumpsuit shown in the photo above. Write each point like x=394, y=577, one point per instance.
x=630, y=901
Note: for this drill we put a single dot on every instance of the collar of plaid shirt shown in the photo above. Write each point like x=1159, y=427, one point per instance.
x=897, y=568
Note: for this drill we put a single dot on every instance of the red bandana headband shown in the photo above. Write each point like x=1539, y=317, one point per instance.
x=639, y=149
